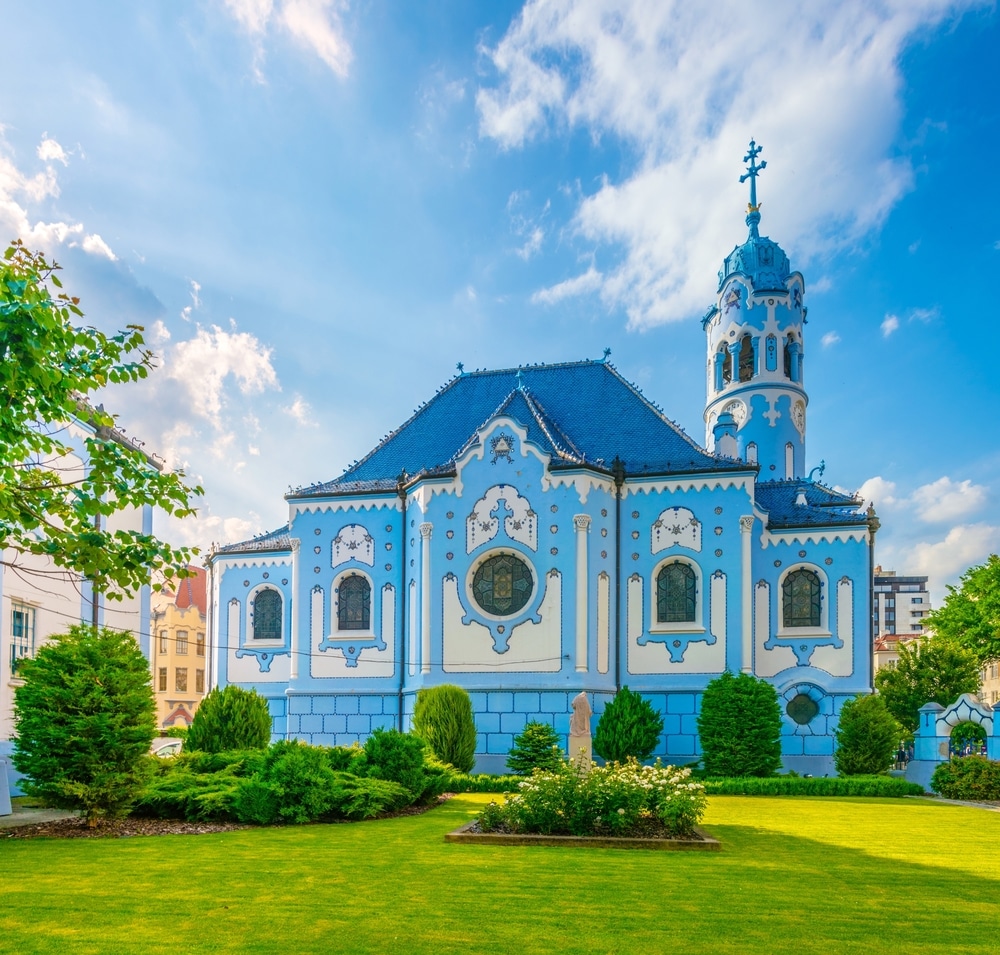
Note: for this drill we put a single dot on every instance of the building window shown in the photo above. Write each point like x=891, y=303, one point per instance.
x=182, y=642
x=746, y=359
x=199, y=681
x=161, y=684
x=676, y=593
x=502, y=585
x=199, y=645
x=354, y=603
x=727, y=364
x=181, y=679
x=22, y=633
x=802, y=709
x=800, y=594
x=267, y=615
x=163, y=641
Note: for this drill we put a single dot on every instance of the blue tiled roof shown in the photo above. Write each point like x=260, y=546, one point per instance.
x=577, y=412
x=273, y=540
x=824, y=506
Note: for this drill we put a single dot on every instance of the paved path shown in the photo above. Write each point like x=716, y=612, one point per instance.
x=32, y=817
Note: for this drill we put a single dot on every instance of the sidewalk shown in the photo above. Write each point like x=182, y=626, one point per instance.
x=32, y=817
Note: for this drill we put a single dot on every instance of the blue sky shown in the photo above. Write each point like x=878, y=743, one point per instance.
x=318, y=208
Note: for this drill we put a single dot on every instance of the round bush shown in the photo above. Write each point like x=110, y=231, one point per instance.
x=230, y=718
x=867, y=737
x=442, y=717
x=740, y=726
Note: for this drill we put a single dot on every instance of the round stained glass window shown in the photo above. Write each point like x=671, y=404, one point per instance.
x=502, y=585
x=802, y=708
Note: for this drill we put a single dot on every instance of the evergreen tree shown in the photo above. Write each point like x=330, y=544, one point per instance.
x=535, y=748
x=442, y=718
x=629, y=726
x=740, y=726
x=85, y=721
x=230, y=718
x=867, y=737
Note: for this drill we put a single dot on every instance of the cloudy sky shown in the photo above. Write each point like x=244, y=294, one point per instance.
x=318, y=207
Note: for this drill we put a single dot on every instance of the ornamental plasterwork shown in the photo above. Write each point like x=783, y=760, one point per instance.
x=354, y=541
x=520, y=522
x=676, y=526
x=774, y=538
x=799, y=416
x=738, y=410
x=739, y=482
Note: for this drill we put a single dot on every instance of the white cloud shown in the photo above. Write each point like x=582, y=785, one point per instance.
x=823, y=284
x=945, y=500
x=314, y=25
x=95, y=245
x=195, y=301
x=669, y=78
x=300, y=411
x=203, y=364
x=878, y=491
x=830, y=338
x=925, y=315
x=49, y=149
x=913, y=246
x=589, y=281
x=889, y=324
x=963, y=547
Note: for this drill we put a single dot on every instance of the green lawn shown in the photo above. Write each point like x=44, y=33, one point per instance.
x=797, y=875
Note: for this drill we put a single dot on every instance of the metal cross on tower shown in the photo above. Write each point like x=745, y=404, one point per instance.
x=753, y=170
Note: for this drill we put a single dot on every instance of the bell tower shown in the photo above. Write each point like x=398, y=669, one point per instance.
x=754, y=334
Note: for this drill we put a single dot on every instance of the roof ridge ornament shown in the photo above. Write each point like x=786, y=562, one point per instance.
x=753, y=170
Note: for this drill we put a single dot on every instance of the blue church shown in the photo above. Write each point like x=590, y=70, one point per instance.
x=534, y=532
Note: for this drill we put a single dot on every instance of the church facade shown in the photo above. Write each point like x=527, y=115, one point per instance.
x=536, y=532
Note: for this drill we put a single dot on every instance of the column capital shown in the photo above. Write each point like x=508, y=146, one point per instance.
x=581, y=521
x=746, y=523
x=426, y=530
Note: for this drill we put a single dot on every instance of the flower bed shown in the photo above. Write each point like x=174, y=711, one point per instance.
x=618, y=800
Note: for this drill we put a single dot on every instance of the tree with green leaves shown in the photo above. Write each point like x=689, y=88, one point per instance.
x=929, y=670
x=85, y=720
x=537, y=747
x=629, y=726
x=867, y=737
x=739, y=726
x=50, y=366
x=443, y=719
x=970, y=614
x=230, y=718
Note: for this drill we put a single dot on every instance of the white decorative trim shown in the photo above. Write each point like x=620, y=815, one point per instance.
x=860, y=534
x=675, y=527
x=333, y=631
x=845, y=610
x=388, y=616
x=520, y=524
x=581, y=523
x=603, y=621
x=739, y=481
x=583, y=482
x=353, y=542
x=717, y=605
x=411, y=652
x=376, y=501
x=478, y=449
x=746, y=568
x=241, y=562
x=684, y=626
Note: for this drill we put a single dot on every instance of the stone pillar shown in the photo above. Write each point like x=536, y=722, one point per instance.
x=293, y=672
x=746, y=540
x=425, y=597
x=582, y=524
x=755, y=343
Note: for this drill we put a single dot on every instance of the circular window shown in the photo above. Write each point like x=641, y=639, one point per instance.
x=802, y=708
x=502, y=585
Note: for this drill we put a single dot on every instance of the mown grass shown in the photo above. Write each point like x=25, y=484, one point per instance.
x=795, y=875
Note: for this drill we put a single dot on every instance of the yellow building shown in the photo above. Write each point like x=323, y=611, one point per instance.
x=177, y=654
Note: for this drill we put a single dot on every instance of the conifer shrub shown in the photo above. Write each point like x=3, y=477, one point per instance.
x=739, y=726
x=85, y=720
x=628, y=728
x=537, y=747
x=968, y=777
x=397, y=757
x=867, y=737
x=295, y=785
x=230, y=718
x=442, y=717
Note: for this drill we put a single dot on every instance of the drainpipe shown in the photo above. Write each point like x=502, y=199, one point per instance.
x=401, y=491
x=618, y=471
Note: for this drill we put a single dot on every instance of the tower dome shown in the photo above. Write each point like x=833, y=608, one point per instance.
x=755, y=349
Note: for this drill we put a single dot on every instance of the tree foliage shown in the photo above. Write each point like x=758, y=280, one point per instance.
x=84, y=719
x=867, y=737
x=628, y=727
x=49, y=366
x=929, y=670
x=442, y=718
x=230, y=719
x=970, y=614
x=740, y=726
x=535, y=748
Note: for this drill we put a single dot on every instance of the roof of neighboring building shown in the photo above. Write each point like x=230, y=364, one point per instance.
x=799, y=502
x=191, y=591
x=891, y=641
x=273, y=540
x=580, y=413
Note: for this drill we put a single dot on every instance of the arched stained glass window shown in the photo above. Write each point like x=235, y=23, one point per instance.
x=502, y=585
x=676, y=596
x=354, y=603
x=800, y=599
x=267, y=615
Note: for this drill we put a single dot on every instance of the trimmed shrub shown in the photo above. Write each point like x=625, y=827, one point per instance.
x=969, y=777
x=629, y=728
x=876, y=786
x=85, y=719
x=230, y=718
x=867, y=737
x=296, y=785
x=397, y=757
x=342, y=758
x=442, y=717
x=198, y=797
x=365, y=797
x=481, y=783
x=536, y=748
x=740, y=726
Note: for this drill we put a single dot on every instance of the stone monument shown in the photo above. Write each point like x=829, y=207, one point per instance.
x=580, y=744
